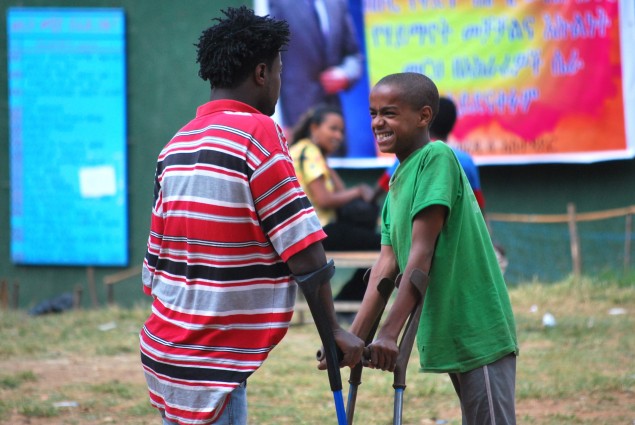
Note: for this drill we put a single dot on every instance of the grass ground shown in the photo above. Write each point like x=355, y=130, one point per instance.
x=82, y=367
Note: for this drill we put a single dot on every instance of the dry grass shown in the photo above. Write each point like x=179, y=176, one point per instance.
x=63, y=369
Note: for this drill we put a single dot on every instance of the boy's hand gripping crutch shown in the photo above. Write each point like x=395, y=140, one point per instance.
x=310, y=285
x=419, y=280
x=385, y=288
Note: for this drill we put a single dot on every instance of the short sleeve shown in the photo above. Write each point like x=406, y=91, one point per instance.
x=385, y=223
x=286, y=215
x=440, y=184
x=313, y=163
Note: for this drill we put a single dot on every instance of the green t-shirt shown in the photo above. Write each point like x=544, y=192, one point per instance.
x=467, y=319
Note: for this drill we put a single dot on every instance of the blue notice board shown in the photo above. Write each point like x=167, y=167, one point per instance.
x=67, y=114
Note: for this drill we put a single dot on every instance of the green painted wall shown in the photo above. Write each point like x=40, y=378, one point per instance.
x=163, y=93
x=546, y=188
x=542, y=251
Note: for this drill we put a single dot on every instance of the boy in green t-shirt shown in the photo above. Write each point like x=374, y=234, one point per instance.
x=431, y=223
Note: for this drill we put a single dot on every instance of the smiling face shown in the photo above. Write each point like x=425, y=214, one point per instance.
x=328, y=134
x=398, y=126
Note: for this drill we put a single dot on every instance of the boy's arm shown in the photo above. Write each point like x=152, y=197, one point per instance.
x=385, y=267
x=426, y=227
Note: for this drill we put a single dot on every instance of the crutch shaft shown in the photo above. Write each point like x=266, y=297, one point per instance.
x=419, y=280
x=385, y=288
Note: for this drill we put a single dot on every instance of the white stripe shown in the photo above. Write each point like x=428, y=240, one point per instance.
x=215, y=173
x=299, y=217
x=210, y=217
x=490, y=402
x=281, y=202
x=210, y=401
x=207, y=201
x=244, y=326
x=272, y=189
x=202, y=242
x=203, y=389
x=229, y=130
x=271, y=161
x=266, y=258
x=176, y=280
x=192, y=146
x=188, y=146
x=222, y=349
x=161, y=357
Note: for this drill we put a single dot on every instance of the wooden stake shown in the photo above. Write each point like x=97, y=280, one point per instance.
x=15, y=299
x=574, y=240
x=4, y=295
x=627, y=242
x=77, y=297
x=92, y=289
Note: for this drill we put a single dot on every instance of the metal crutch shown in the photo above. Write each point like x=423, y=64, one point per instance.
x=311, y=289
x=420, y=281
x=385, y=288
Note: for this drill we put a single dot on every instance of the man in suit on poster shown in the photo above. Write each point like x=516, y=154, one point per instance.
x=323, y=57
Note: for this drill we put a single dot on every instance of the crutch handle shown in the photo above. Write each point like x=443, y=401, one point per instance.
x=385, y=288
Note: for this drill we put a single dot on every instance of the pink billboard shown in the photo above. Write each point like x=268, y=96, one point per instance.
x=534, y=81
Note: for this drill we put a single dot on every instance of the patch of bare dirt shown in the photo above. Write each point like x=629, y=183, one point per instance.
x=68, y=376
x=616, y=407
x=123, y=368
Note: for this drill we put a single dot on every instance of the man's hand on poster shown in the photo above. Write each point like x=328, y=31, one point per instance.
x=334, y=80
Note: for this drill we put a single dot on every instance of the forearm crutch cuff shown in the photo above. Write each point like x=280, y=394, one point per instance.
x=317, y=277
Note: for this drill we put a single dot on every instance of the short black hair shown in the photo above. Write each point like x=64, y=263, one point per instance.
x=416, y=89
x=229, y=50
x=443, y=124
x=315, y=115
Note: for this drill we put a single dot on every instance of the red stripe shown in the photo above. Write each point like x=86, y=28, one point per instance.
x=188, y=414
x=269, y=317
x=212, y=284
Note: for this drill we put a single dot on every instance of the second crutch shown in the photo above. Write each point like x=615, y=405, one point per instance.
x=419, y=279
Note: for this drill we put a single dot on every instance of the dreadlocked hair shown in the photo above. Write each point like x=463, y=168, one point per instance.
x=229, y=50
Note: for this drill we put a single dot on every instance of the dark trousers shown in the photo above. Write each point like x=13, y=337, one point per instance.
x=487, y=393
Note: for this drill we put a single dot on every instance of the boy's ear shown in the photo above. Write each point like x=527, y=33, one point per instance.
x=425, y=116
x=259, y=74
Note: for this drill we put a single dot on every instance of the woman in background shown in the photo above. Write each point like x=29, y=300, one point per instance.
x=319, y=133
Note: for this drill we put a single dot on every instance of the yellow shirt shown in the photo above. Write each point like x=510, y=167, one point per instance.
x=311, y=166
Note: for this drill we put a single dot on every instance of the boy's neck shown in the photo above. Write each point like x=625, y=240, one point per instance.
x=402, y=156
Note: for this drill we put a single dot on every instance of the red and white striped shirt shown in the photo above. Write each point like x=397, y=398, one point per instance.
x=228, y=213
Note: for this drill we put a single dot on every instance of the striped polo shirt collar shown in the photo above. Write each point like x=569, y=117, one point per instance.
x=214, y=106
